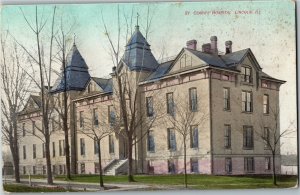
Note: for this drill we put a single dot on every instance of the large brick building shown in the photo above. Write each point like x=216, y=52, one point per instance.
x=227, y=95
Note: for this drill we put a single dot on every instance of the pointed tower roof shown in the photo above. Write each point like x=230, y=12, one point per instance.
x=138, y=55
x=76, y=72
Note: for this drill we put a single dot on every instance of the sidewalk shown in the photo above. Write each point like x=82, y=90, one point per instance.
x=83, y=186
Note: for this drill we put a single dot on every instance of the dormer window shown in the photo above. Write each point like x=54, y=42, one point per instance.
x=246, y=73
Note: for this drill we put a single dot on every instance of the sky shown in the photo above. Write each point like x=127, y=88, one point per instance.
x=269, y=30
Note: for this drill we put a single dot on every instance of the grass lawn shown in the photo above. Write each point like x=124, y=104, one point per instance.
x=26, y=188
x=197, y=181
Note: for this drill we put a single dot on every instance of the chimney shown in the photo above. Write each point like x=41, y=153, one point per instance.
x=191, y=44
x=206, y=48
x=214, y=44
x=228, y=45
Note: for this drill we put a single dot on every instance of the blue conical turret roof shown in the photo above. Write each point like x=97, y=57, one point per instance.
x=76, y=72
x=138, y=55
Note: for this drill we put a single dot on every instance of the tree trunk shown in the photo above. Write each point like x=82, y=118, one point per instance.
x=15, y=156
x=274, y=170
x=184, y=156
x=48, y=159
x=100, y=166
x=15, y=152
x=130, y=160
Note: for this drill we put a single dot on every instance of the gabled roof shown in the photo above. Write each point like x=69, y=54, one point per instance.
x=105, y=84
x=226, y=61
x=138, y=55
x=77, y=75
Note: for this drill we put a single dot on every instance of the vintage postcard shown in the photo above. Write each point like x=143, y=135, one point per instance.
x=148, y=96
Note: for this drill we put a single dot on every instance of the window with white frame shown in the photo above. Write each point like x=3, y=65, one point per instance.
x=266, y=103
x=82, y=146
x=228, y=165
x=247, y=101
x=226, y=96
x=193, y=99
x=171, y=166
x=149, y=105
x=268, y=163
x=81, y=119
x=246, y=74
x=194, y=165
x=248, y=137
x=95, y=117
x=249, y=164
x=111, y=147
x=227, y=136
x=194, y=136
x=171, y=139
x=150, y=141
x=170, y=104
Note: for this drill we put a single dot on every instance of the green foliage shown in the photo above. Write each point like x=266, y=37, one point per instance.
x=196, y=181
x=26, y=188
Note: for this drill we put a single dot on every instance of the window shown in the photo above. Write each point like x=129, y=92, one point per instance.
x=43, y=150
x=96, y=146
x=97, y=169
x=266, y=104
x=82, y=168
x=247, y=101
x=249, y=164
x=171, y=139
x=95, y=117
x=267, y=163
x=248, y=137
x=53, y=169
x=60, y=169
x=150, y=141
x=228, y=165
x=24, y=152
x=24, y=170
x=111, y=144
x=61, y=147
x=194, y=165
x=149, y=104
x=171, y=166
x=266, y=137
x=193, y=99
x=33, y=127
x=53, y=149
x=44, y=170
x=34, y=151
x=226, y=96
x=23, y=129
x=81, y=120
x=170, y=104
x=33, y=170
x=82, y=146
x=227, y=136
x=246, y=74
x=111, y=116
x=194, y=137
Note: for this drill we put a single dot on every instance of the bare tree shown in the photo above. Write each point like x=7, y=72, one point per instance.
x=127, y=90
x=185, y=117
x=39, y=58
x=62, y=39
x=15, y=85
x=96, y=128
x=270, y=135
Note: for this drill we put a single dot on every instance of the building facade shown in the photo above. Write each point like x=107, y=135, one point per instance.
x=209, y=105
